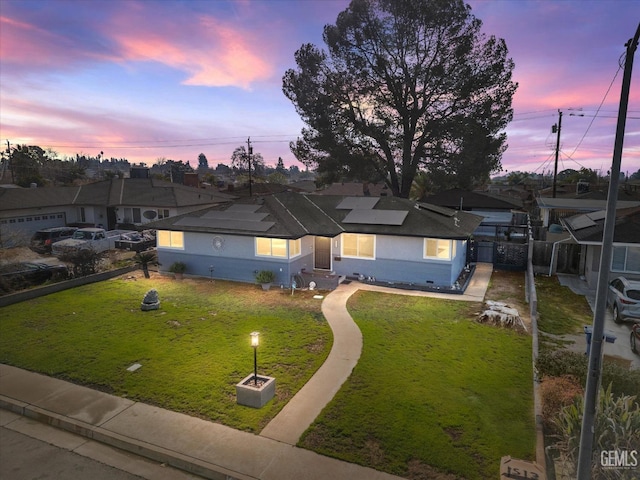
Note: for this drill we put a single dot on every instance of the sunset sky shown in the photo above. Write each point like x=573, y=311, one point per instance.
x=148, y=79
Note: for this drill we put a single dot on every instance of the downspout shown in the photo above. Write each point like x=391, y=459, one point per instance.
x=553, y=255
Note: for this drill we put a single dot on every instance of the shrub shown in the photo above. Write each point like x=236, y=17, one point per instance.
x=178, y=267
x=265, y=276
x=616, y=427
x=566, y=363
x=84, y=262
x=557, y=393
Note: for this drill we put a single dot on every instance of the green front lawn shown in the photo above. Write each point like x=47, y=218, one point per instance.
x=193, y=350
x=432, y=390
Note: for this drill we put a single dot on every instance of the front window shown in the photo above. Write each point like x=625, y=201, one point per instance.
x=168, y=239
x=358, y=245
x=271, y=247
x=295, y=248
x=439, y=249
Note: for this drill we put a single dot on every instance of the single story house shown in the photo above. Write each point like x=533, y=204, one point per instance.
x=119, y=201
x=390, y=239
x=587, y=230
x=553, y=210
x=502, y=216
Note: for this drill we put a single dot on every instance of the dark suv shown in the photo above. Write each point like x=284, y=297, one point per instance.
x=43, y=239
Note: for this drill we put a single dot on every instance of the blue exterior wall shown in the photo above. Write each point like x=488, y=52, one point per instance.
x=236, y=260
x=398, y=260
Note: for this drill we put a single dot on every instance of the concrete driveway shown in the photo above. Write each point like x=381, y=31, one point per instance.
x=621, y=347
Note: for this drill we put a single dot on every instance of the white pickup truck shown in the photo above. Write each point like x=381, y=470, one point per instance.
x=95, y=239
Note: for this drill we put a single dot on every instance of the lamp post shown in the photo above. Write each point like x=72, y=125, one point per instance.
x=255, y=341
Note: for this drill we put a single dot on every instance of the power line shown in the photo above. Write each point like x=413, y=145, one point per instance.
x=598, y=110
x=178, y=144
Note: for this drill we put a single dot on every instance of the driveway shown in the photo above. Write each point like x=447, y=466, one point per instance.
x=620, y=348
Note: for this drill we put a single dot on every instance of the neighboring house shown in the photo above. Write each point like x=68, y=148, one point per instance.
x=500, y=213
x=587, y=230
x=386, y=238
x=553, y=210
x=127, y=201
x=502, y=236
x=356, y=189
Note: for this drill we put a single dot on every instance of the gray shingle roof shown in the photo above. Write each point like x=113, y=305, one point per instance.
x=589, y=228
x=128, y=191
x=473, y=200
x=295, y=215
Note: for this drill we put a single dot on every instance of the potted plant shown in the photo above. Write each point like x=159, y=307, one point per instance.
x=265, y=278
x=178, y=269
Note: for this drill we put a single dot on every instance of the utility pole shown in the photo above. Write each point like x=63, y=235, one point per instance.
x=249, y=153
x=554, y=129
x=585, y=455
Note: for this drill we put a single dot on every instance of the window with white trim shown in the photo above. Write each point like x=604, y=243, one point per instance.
x=295, y=248
x=626, y=259
x=271, y=247
x=168, y=239
x=439, y=249
x=358, y=245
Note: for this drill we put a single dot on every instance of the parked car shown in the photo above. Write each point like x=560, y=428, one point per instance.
x=634, y=338
x=42, y=240
x=624, y=299
x=16, y=276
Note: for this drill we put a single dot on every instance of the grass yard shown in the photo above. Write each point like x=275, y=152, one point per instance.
x=434, y=395
x=560, y=311
x=193, y=350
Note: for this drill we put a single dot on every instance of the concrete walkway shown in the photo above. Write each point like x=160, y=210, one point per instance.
x=209, y=449
x=621, y=348
x=289, y=425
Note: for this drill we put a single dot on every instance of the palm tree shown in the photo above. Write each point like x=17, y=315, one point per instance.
x=144, y=259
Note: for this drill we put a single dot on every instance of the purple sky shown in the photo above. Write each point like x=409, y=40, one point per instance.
x=173, y=79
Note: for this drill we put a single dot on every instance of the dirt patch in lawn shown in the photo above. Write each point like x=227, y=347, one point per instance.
x=509, y=287
x=19, y=254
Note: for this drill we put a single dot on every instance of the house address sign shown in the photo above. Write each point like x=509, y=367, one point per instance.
x=511, y=468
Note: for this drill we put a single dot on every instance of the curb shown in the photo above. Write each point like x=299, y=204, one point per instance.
x=137, y=447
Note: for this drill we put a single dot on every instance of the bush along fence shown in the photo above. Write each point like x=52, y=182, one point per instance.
x=36, y=292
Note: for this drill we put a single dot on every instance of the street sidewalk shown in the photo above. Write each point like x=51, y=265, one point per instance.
x=190, y=444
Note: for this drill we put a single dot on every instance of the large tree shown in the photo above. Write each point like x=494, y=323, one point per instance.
x=405, y=86
x=240, y=161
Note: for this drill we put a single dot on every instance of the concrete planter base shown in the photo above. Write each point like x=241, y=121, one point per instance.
x=251, y=396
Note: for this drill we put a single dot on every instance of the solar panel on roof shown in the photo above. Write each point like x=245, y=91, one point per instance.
x=447, y=212
x=226, y=224
x=578, y=223
x=599, y=215
x=376, y=217
x=353, y=203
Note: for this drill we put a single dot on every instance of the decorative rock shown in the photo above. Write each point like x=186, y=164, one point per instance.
x=150, y=301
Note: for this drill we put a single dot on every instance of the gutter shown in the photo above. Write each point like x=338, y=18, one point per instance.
x=552, y=265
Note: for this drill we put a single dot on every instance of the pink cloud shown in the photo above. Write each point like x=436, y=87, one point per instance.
x=212, y=53
x=29, y=46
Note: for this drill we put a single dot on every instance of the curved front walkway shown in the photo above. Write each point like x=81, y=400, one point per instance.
x=289, y=425
x=307, y=404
